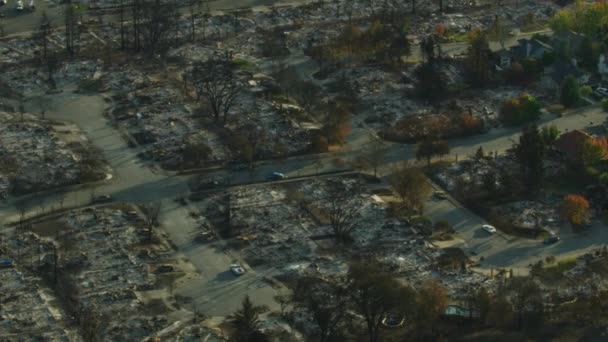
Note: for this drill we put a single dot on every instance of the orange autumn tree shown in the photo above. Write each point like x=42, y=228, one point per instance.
x=441, y=30
x=337, y=123
x=594, y=150
x=575, y=208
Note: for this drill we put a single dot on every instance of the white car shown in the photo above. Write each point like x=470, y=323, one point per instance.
x=237, y=269
x=488, y=228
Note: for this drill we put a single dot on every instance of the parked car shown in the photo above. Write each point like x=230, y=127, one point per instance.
x=7, y=263
x=276, y=176
x=237, y=269
x=440, y=195
x=488, y=228
x=102, y=199
x=551, y=240
x=164, y=269
x=238, y=167
x=393, y=320
x=132, y=213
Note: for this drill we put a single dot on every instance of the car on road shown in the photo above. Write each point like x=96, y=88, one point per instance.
x=237, y=269
x=164, y=269
x=488, y=228
x=440, y=195
x=601, y=91
x=238, y=167
x=102, y=199
x=276, y=176
x=551, y=240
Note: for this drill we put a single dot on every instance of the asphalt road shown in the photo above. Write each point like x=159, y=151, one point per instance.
x=15, y=22
x=134, y=180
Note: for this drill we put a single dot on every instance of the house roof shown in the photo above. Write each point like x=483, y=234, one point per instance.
x=571, y=144
x=572, y=39
x=561, y=70
x=537, y=48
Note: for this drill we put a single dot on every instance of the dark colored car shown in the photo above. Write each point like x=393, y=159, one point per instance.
x=102, y=199
x=551, y=240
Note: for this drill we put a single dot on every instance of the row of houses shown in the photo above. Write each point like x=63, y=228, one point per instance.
x=566, y=42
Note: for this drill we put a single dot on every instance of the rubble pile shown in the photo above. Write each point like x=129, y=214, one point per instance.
x=275, y=230
x=534, y=214
x=38, y=155
x=114, y=255
x=276, y=121
x=29, y=311
x=156, y=117
x=471, y=172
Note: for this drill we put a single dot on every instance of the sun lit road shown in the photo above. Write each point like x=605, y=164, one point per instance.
x=26, y=22
x=134, y=181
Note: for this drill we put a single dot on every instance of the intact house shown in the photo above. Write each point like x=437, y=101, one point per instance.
x=525, y=48
x=602, y=67
x=554, y=75
x=570, y=144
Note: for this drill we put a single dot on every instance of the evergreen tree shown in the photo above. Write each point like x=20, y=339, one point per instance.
x=530, y=153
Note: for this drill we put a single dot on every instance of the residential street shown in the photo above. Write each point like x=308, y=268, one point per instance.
x=214, y=289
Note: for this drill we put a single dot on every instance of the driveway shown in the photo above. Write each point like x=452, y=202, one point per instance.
x=504, y=251
x=215, y=290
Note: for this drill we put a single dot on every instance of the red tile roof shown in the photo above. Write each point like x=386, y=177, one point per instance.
x=571, y=144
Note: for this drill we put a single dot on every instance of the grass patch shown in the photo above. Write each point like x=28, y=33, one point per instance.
x=421, y=220
x=543, y=236
x=457, y=37
x=555, y=272
x=280, y=98
x=244, y=64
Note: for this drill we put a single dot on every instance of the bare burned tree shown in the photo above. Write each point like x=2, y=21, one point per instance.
x=158, y=27
x=193, y=13
x=343, y=209
x=72, y=28
x=256, y=136
x=44, y=31
x=153, y=26
x=152, y=212
x=216, y=81
x=325, y=301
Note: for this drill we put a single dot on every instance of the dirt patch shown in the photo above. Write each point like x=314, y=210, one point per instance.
x=47, y=228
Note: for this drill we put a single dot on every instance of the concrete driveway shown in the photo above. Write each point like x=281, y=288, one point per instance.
x=505, y=251
x=214, y=290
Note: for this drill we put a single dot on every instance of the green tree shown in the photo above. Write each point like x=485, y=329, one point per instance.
x=530, y=154
x=549, y=134
x=479, y=154
x=587, y=54
x=478, y=58
x=605, y=105
x=593, y=151
x=246, y=320
x=586, y=90
x=431, y=83
x=374, y=294
x=520, y=110
x=570, y=95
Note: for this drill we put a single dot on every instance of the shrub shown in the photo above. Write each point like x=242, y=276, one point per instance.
x=520, y=110
x=586, y=90
x=605, y=105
